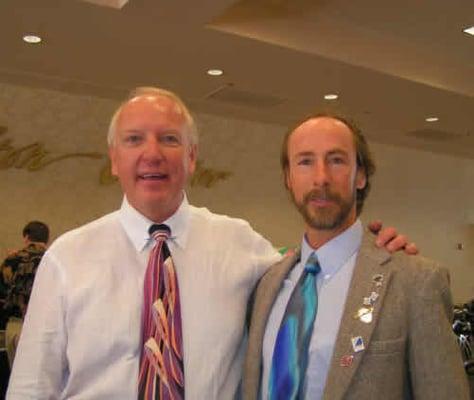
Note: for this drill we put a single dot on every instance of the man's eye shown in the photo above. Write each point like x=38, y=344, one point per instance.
x=132, y=138
x=305, y=161
x=170, y=139
x=337, y=160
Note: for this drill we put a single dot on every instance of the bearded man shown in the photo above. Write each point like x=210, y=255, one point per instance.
x=341, y=318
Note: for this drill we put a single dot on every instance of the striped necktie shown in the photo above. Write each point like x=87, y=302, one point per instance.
x=290, y=354
x=161, y=374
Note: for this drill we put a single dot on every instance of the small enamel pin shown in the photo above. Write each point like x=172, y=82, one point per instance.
x=373, y=297
x=377, y=279
x=346, y=361
x=370, y=300
x=364, y=314
x=357, y=344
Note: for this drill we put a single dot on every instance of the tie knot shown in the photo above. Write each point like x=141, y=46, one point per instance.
x=312, y=265
x=159, y=231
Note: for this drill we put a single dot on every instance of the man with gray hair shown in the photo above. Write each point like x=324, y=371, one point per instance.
x=149, y=301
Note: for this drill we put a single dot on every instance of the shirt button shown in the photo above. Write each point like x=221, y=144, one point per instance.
x=327, y=276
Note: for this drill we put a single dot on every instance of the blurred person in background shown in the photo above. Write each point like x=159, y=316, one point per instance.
x=18, y=273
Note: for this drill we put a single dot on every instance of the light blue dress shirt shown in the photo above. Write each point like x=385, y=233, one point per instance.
x=337, y=260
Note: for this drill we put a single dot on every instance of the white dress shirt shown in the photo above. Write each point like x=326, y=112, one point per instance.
x=337, y=260
x=81, y=336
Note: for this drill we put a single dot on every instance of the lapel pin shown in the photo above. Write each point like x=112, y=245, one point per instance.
x=378, y=279
x=374, y=296
x=370, y=301
x=346, y=361
x=364, y=314
x=358, y=344
x=362, y=311
x=366, y=318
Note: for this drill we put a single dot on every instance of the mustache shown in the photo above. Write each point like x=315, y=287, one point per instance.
x=321, y=194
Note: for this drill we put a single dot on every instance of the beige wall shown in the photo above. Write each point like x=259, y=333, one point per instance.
x=425, y=195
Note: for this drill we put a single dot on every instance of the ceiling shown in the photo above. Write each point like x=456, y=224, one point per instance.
x=392, y=63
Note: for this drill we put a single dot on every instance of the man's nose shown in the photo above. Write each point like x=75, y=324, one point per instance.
x=320, y=173
x=153, y=149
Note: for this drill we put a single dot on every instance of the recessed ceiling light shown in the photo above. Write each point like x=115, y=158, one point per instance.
x=32, y=39
x=215, y=72
x=469, y=31
x=431, y=119
x=331, y=96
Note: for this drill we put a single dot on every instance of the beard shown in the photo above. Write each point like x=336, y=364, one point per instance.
x=325, y=218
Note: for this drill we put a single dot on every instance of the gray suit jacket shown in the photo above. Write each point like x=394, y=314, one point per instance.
x=410, y=350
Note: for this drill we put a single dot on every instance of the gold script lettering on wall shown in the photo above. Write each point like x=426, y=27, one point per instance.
x=208, y=177
x=34, y=157
x=203, y=176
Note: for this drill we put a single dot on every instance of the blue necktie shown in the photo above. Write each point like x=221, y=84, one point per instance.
x=290, y=355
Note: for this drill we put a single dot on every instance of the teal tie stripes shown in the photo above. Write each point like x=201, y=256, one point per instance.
x=290, y=354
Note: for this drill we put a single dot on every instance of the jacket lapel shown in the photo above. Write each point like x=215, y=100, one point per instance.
x=370, y=263
x=267, y=291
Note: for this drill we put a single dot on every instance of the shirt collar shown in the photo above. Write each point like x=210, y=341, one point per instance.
x=335, y=253
x=136, y=225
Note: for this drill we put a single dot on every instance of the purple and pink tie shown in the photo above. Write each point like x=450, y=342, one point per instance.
x=161, y=374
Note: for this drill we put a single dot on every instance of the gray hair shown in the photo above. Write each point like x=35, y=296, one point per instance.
x=191, y=129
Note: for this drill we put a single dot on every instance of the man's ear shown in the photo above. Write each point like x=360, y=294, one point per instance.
x=361, y=178
x=286, y=177
x=192, y=158
x=113, y=163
